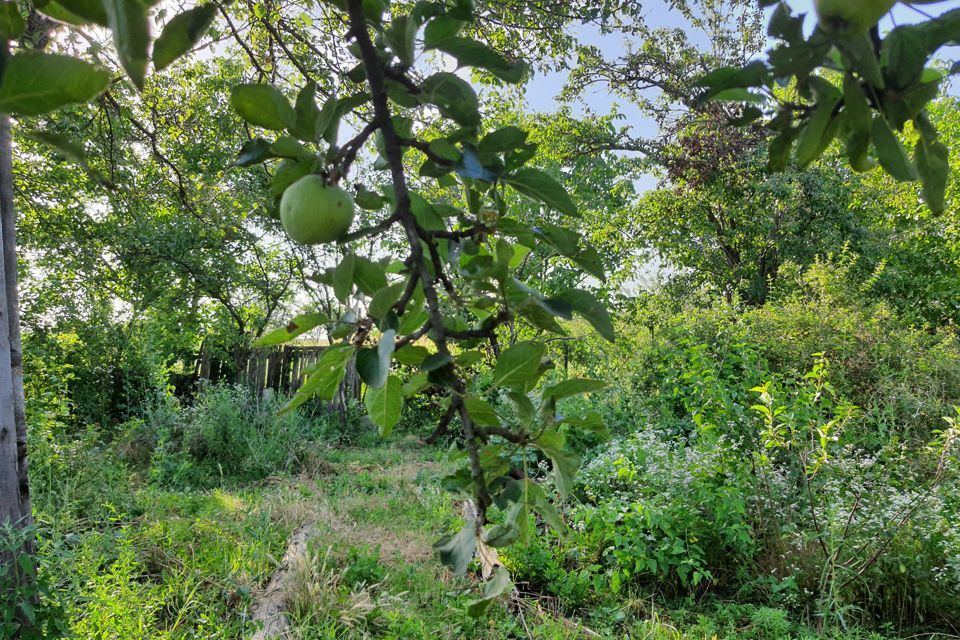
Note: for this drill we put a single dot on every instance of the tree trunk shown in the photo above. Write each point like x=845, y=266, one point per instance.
x=14, y=481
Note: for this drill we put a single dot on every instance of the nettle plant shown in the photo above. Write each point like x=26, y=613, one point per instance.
x=844, y=82
x=438, y=307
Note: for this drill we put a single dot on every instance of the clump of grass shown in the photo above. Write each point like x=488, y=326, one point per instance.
x=230, y=435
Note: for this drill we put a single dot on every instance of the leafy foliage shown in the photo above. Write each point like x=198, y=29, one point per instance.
x=880, y=85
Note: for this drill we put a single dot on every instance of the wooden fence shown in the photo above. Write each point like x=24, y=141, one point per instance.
x=282, y=369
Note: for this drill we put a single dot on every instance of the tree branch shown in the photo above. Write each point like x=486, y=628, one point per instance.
x=394, y=153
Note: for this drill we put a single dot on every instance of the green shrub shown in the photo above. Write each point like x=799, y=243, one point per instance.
x=105, y=370
x=552, y=567
x=24, y=591
x=229, y=435
x=363, y=567
x=792, y=455
x=670, y=513
x=692, y=372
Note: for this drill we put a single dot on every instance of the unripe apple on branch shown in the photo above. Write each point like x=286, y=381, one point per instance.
x=852, y=15
x=313, y=212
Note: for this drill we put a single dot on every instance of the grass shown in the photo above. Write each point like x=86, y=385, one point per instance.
x=184, y=568
x=189, y=564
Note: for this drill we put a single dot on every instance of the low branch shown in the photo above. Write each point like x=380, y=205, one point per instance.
x=413, y=337
x=369, y=231
x=519, y=438
x=393, y=151
x=443, y=426
x=425, y=149
x=348, y=153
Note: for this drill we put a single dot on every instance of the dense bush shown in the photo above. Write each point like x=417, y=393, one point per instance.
x=105, y=371
x=675, y=514
x=793, y=455
x=693, y=372
x=229, y=434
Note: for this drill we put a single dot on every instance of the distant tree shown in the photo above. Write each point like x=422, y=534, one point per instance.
x=157, y=217
x=721, y=218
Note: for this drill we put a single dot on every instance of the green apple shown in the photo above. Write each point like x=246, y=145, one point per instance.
x=852, y=15
x=314, y=212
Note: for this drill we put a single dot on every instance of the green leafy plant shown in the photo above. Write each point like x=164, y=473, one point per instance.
x=875, y=85
x=441, y=301
x=26, y=610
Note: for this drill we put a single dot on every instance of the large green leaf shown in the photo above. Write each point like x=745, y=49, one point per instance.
x=35, y=83
x=436, y=361
x=400, y=36
x=858, y=118
x=441, y=28
x=526, y=412
x=288, y=147
x=414, y=318
x=288, y=172
x=343, y=277
x=296, y=327
x=565, y=462
x=373, y=365
x=324, y=377
x=369, y=200
x=538, y=185
x=454, y=97
x=253, y=151
x=328, y=120
x=471, y=53
x=589, y=259
x=262, y=105
x=77, y=12
x=536, y=499
x=306, y=114
x=369, y=276
x=591, y=422
x=572, y=387
x=903, y=55
x=815, y=134
x=592, y=310
x=11, y=22
x=498, y=584
x=933, y=164
x=754, y=74
x=481, y=411
x=384, y=299
x=181, y=34
x=456, y=551
x=510, y=530
x=411, y=355
x=131, y=35
x=415, y=384
x=518, y=365
x=385, y=404
x=503, y=139
x=890, y=151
